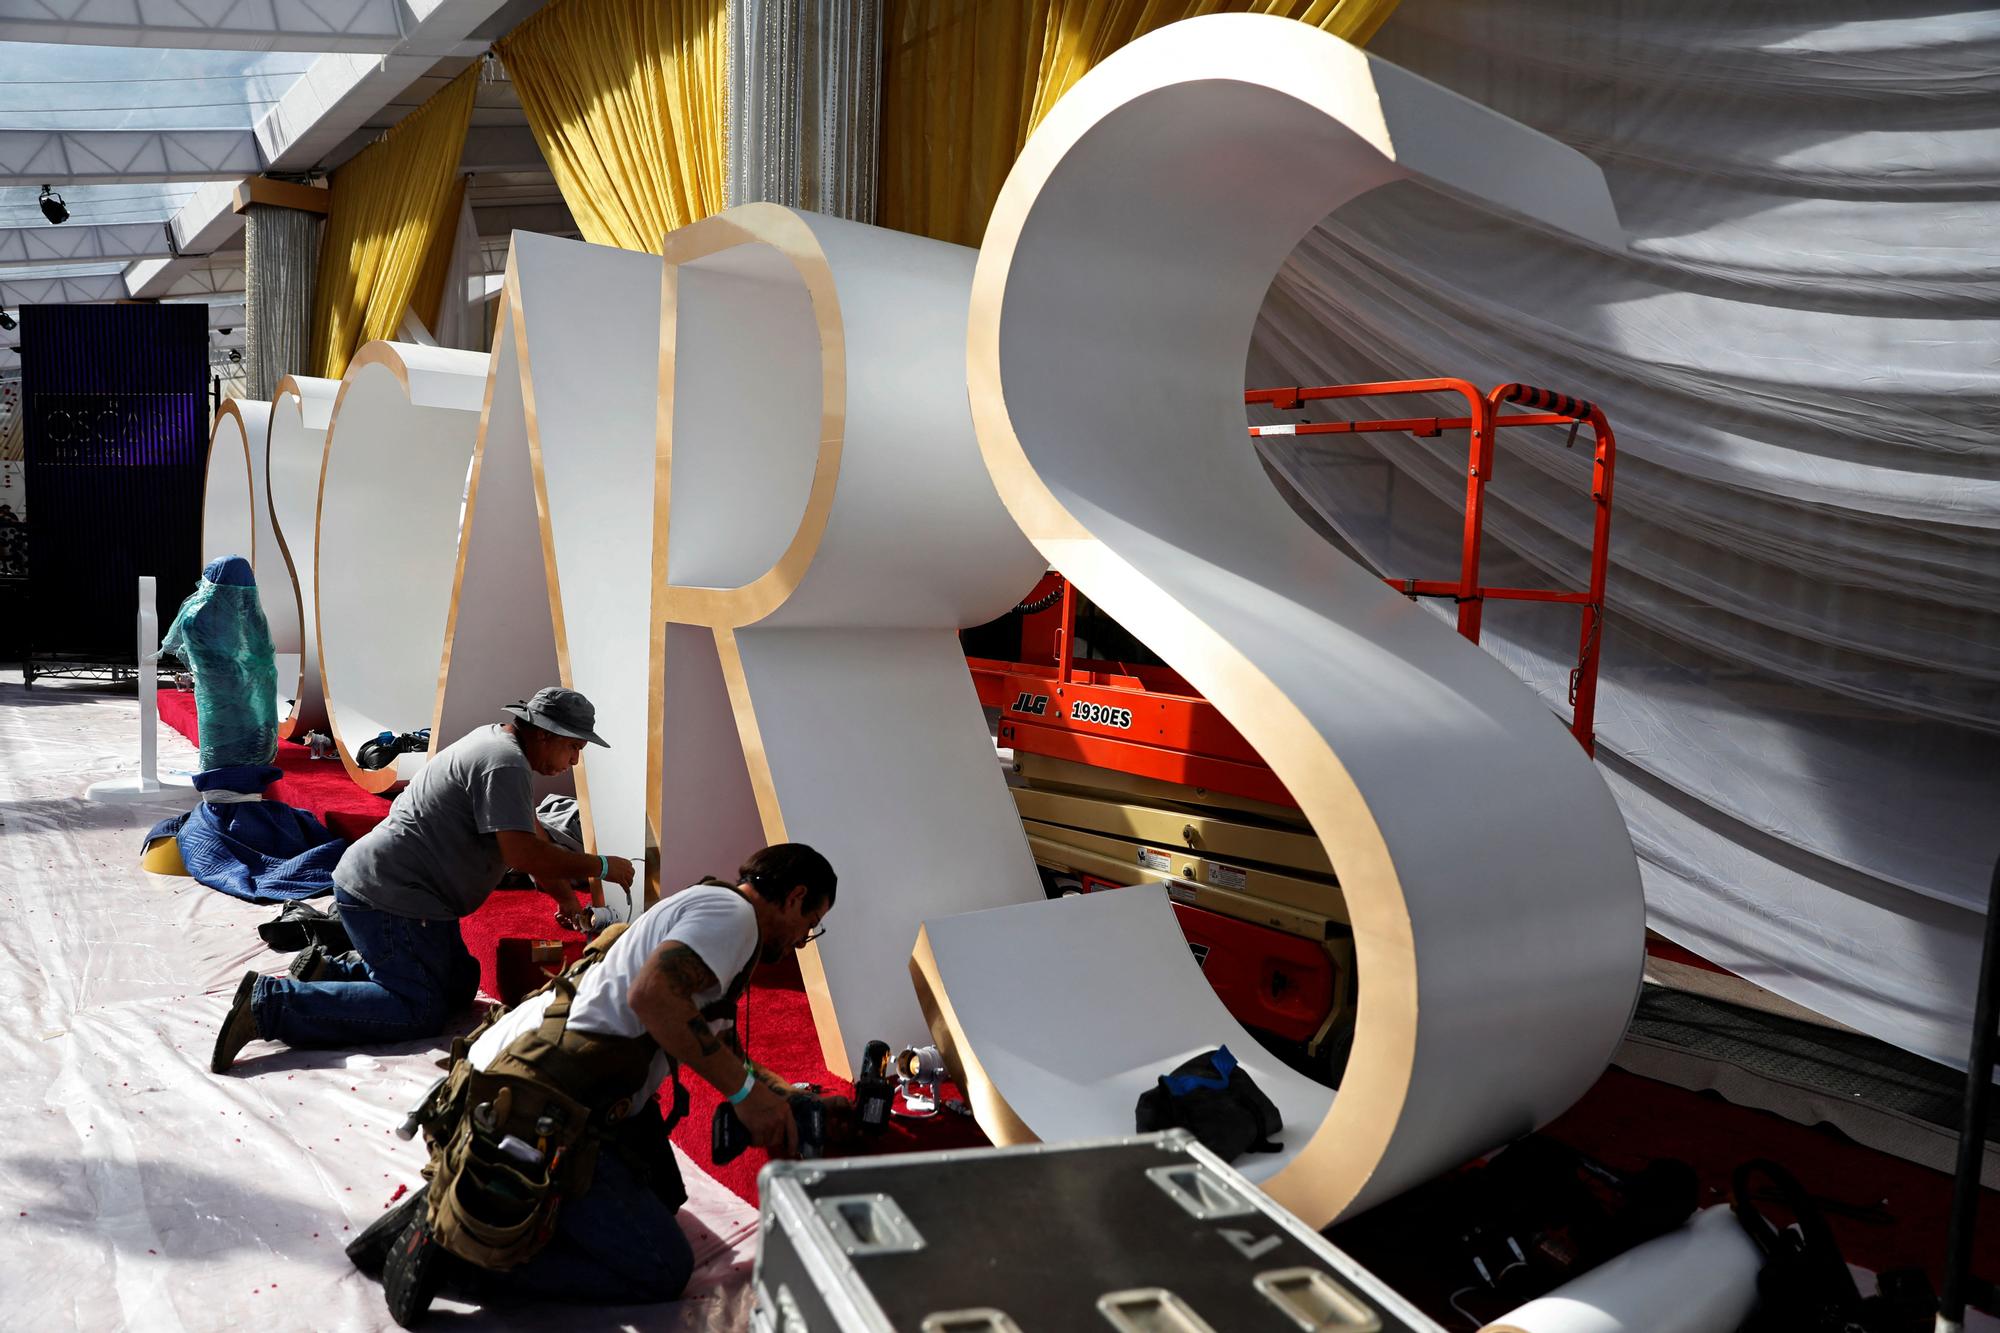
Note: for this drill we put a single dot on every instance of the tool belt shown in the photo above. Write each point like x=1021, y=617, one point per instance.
x=509, y=1143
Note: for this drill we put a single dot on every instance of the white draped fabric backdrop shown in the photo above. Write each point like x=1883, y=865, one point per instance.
x=463, y=309
x=1800, y=354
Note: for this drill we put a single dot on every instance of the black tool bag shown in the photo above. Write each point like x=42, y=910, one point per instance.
x=1212, y=1098
x=558, y=1095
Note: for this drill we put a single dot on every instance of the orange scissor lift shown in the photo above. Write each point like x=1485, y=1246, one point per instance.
x=1130, y=776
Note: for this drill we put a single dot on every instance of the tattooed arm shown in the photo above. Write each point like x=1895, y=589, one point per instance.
x=663, y=998
x=769, y=1078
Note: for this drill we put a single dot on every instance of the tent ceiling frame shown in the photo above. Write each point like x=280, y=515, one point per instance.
x=373, y=27
x=374, y=51
x=123, y=157
x=20, y=246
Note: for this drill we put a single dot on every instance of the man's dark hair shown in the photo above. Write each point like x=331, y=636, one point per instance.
x=778, y=869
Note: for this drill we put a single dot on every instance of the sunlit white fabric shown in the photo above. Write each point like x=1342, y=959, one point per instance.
x=1801, y=688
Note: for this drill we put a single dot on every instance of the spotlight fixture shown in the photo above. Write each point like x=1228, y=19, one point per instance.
x=53, y=207
x=235, y=355
x=922, y=1064
x=224, y=332
x=921, y=1069
x=6, y=320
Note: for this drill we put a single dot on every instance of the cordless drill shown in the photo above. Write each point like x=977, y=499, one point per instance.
x=728, y=1136
x=874, y=1088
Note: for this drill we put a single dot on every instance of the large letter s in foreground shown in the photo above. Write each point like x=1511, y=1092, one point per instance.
x=1493, y=891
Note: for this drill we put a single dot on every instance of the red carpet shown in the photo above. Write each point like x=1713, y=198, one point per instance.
x=776, y=1019
x=320, y=786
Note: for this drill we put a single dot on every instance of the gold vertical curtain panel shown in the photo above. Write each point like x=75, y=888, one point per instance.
x=427, y=297
x=383, y=219
x=964, y=82
x=628, y=101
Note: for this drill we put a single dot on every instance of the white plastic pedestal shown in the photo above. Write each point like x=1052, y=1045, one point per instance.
x=146, y=784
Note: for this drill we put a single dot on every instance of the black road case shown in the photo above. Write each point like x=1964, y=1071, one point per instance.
x=1149, y=1234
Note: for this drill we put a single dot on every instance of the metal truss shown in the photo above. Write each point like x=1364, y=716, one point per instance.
x=85, y=244
x=165, y=279
x=62, y=291
x=226, y=279
x=373, y=26
x=225, y=311
x=89, y=157
x=191, y=282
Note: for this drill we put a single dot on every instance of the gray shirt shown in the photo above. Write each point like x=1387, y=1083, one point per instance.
x=436, y=856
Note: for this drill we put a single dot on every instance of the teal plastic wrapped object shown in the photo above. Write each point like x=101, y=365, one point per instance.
x=221, y=634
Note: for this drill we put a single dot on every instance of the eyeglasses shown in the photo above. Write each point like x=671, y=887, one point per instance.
x=812, y=935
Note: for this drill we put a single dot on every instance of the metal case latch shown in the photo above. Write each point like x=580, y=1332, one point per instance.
x=1200, y=1191
x=984, y=1320
x=1315, y=1302
x=1150, y=1310
x=865, y=1224
x=779, y=1315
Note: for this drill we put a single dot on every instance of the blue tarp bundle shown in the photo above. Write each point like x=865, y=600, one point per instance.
x=257, y=850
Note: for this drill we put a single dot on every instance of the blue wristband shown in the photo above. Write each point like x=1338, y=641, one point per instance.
x=749, y=1082
x=603, y=867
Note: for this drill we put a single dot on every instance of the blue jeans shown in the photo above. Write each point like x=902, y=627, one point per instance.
x=405, y=979
x=617, y=1245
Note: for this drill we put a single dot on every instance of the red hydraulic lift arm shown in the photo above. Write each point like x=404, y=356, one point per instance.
x=1483, y=420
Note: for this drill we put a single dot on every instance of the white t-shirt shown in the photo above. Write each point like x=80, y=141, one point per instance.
x=715, y=922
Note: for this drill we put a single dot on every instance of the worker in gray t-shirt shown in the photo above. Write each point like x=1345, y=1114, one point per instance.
x=465, y=819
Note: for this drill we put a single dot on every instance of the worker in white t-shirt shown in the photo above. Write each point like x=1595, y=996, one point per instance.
x=666, y=988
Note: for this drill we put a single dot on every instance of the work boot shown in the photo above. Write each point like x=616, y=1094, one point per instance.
x=369, y=1251
x=309, y=965
x=413, y=1272
x=239, y=1028
x=293, y=928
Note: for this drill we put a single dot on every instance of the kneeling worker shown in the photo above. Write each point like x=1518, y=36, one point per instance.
x=449, y=839
x=552, y=1176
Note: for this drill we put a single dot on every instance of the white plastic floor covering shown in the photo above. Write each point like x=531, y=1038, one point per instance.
x=137, y=1190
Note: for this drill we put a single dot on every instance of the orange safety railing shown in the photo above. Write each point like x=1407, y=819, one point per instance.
x=1483, y=419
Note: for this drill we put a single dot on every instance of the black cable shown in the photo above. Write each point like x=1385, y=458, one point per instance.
x=1958, y=1279
x=1805, y=1285
x=1042, y=603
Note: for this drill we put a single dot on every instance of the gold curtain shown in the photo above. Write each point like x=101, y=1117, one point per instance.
x=964, y=82
x=385, y=211
x=427, y=297
x=627, y=99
